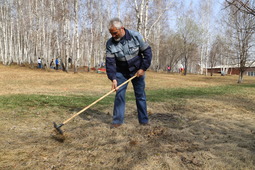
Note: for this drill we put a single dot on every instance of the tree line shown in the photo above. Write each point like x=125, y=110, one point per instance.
x=77, y=30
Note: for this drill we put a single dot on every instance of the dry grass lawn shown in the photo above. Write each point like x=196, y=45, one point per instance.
x=207, y=132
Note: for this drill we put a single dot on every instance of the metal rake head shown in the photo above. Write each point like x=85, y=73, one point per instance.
x=57, y=127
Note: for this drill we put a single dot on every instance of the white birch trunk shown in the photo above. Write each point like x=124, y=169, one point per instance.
x=5, y=34
x=146, y=20
x=91, y=39
x=68, y=47
x=30, y=38
x=139, y=15
x=43, y=46
x=77, y=55
x=201, y=60
x=1, y=33
x=36, y=51
x=102, y=44
x=206, y=13
x=19, y=22
x=50, y=34
x=39, y=34
x=158, y=45
x=118, y=9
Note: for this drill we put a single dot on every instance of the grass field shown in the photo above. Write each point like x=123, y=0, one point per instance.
x=197, y=122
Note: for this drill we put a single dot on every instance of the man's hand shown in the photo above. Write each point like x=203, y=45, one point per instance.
x=140, y=73
x=114, y=85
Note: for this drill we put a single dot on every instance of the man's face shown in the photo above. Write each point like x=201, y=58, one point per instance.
x=117, y=34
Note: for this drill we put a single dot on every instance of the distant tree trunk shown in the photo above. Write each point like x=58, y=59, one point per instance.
x=118, y=9
x=18, y=43
x=4, y=21
x=101, y=36
x=158, y=30
x=241, y=74
x=30, y=38
x=146, y=20
x=139, y=15
x=1, y=32
x=37, y=19
x=91, y=40
x=185, y=58
x=43, y=46
x=66, y=34
x=77, y=57
x=201, y=59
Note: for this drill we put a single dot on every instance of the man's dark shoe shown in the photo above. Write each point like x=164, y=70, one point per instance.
x=115, y=126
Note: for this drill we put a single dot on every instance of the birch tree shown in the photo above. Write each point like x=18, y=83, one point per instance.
x=149, y=15
x=73, y=29
x=242, y=24
x=216, y=53
x=3, y=33
x=206, y=13
x=77, y=55
x=170, y=51
x=189, y=33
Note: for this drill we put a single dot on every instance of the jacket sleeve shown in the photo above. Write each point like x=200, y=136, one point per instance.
x=110, y=63
x=147, y=56
x=146, y=52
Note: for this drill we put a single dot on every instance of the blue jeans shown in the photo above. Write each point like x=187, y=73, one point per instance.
x=120, y=101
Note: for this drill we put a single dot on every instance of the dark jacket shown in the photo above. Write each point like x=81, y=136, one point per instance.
x=128, y=55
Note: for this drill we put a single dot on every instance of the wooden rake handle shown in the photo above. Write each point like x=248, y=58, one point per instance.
x=76, y=114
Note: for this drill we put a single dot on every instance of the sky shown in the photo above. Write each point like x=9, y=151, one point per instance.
x=217, y=3
x=217, y=7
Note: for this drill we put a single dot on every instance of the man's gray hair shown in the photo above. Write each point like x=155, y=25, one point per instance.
x=116, y=22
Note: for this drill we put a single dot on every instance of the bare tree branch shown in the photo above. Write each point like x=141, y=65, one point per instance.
x=242, y=6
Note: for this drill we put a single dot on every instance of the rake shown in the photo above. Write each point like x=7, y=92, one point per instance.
x=58, y=127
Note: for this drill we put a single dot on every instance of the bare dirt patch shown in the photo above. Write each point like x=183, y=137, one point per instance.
x=216, y=132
